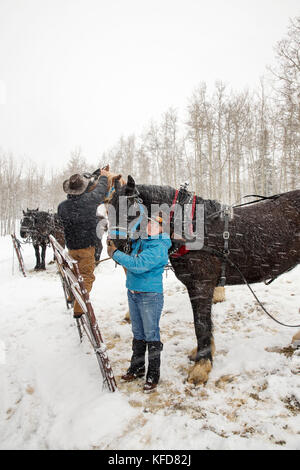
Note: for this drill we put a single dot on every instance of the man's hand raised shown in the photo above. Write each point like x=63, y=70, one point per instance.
x=104, y=173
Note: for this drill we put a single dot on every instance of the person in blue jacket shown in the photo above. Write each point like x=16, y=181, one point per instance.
x=145, y=267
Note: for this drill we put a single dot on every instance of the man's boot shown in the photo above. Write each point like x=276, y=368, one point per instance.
x=153, y=373
x=137, y=365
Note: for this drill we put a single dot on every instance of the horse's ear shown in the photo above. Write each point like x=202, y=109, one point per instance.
x=115, y=182
x=27, y=209
x=116, y=178
x=37, y=209
x=23, y=212
x=130, y=186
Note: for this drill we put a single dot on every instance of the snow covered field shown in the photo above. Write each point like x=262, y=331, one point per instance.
x=50, y=386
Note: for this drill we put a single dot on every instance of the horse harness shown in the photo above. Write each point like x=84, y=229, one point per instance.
x=35, y=237
x=226, y=213
x=183, y=197
x=122, y=231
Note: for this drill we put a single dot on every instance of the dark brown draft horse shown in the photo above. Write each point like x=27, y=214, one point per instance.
x=264, y=243
x=35, y=227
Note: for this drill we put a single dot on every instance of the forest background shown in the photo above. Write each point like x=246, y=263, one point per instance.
x=226, y=143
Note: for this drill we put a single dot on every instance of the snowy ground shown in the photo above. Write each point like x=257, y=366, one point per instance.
x=50, y=386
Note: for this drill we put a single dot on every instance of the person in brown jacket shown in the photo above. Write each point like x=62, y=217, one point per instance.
x=78, y=216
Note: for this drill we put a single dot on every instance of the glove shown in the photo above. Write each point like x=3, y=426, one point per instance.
x=111, y=248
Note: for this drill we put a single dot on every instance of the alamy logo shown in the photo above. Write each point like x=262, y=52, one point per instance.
x=183, y=222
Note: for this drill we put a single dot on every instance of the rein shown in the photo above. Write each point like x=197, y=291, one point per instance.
x=234, y=206
x=123, y=231
x=112, y=189
x=219, y=254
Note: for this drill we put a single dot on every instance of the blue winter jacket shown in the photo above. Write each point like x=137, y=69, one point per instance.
x=145, y=264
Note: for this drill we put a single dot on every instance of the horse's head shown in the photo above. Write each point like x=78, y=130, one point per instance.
x=28, y=222
x=111, y=177
x=44, y=223
x=125, y=213
x=115, y=181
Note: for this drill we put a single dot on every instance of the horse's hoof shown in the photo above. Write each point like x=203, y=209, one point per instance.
x=193, y=355
x=219, y=295
x=200, y=372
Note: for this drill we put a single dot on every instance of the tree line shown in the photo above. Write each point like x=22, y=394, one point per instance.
x=228, y=144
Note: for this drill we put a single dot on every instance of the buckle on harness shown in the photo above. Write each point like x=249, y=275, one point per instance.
x=226, y=235
x=184, y=186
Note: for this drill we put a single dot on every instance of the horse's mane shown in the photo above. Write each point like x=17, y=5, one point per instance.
x=210, y=206
x=153, y=194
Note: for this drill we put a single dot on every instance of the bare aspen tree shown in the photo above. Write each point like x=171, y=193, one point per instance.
x=76, y=164
x=263, y=164
x=195, y=136
x=10, y=193
x=144, y=165
x=153, y=146
x=228, y=145
x=170, y=148
x=129, y=154
x=287, y=75
x=220, y=151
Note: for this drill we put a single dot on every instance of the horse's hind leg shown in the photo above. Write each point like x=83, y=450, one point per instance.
x=201, y=294
x=37, y=257
x=44, y=247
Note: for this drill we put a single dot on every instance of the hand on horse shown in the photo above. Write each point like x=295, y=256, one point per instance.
x=111, y=248
x=104, y=172
x=101, y=172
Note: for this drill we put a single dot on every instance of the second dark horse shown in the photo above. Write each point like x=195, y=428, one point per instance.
x=36, y=226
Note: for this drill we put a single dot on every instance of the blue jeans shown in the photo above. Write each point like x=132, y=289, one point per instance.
x=145, y=312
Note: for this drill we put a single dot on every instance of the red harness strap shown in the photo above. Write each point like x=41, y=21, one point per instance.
x=173, y=204
x=180, y=252
x=193, y=213
x=183, y=249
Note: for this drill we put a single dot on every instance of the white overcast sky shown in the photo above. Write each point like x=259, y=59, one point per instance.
x=84, y=72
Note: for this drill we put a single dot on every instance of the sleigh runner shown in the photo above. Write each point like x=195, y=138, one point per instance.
x=73, y=286
x=17, y=248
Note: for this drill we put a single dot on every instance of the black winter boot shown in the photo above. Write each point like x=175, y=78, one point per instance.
x=153, y=373
x=137, y=365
